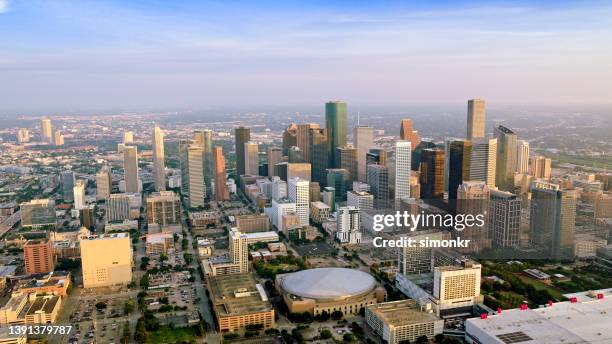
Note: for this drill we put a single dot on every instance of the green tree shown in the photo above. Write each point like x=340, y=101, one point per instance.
x=325, y=334
x=129, y=306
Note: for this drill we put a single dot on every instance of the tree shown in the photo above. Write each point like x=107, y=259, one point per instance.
x=325, y=334
x=140, y=335
x=144, y=281
x=348, y=337
x=100, y=305
x=337, y=315
x=422, y=340
x=129, y=306
x=126, y=333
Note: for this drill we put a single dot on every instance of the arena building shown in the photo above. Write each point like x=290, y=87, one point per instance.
x=329, y=289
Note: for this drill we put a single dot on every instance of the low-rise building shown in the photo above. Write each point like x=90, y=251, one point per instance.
x=25, y=309
x=402, y=321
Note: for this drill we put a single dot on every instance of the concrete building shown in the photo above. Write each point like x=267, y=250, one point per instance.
x=504, y=219
x=239, y=250
x=120, y=207
x=303, y=138
x=251, y=158
x=253, y=223
x=522, y=157
x=159, y=167
x=403, y=153
x=289, y=138
x=221, y=191
x=275, y=156
x=475, y=119
x=37, y=213
x=378, y=179
x=128, y=137
x=164, y=211
x=195, y=175
x=319, y=211
x=457, y=287
x=363, y=137
x=106, y=260
x=23, y=135
x=158, y=243
x=402, y=321
x=58, y=138
x=298, y=192
x=38, y=256
x=79, y=194
x=540, y=167
x=483, y=161
x=30, y=309
x=360, y=199
x=67, y=180
x=407, y=133
x=347, y=160
x=348, y=227
x=104, y=183
x=506, y=158
x=130, y=169
x=280, y=207
x=46, y=130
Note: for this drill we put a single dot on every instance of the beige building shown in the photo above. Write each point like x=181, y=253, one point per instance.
x=130, y=168
x=540, y=167
x=319, y=211
x=104, y=183
x=253, y=223
x=404, y=320
x=25, y=309
x=164, y=211
x=457, y=286
x=475, y=119
x=158, y=243
x=106, y=260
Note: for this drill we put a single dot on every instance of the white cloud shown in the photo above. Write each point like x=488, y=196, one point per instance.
x=4, y=6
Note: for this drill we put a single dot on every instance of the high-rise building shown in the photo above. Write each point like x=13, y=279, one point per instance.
x=506, y=158
x=38, y=213
x=432, y=174
x=407, y=133
x=128, y=137
x=275, y=155
x=418, y=151
x=130, y=169
x=163, y=210
x=46, y=130
x=457, y=286
x=473, y=199
x=204, y=139
x=363, y=136
x=378, y=179
x=298, y=192
x=315, y=192
x=336, y=125
x=553, y=219
x=58, y=138
x=303, y=141
x=295, y=155
x=328, y=196
x=360, y=199
x=67, y=180
x=118, y=207
x=38, y=256
x=251, y=158
x=483, y=159
x=376, y=156
x=23, y=135
x=348, y=226
x=339, y=179
x=221, y=192
x=289, y=138
x=504, y=219
x=347, y=159
x=319, y=154
x=458, y=165
x=239, y=250
x=183, y=148
x=286, y=170
x=195, y=171
x=106, y=260
x=79, y=194
x=104, y=183
x=540, y=167
x=403, y=153
x=475, y=119
x=242, y=135
x=522, y=157
x=159, y=168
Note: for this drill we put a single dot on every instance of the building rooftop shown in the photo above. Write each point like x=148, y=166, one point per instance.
x=401, y=313
x=328, y=283
x=237, y=294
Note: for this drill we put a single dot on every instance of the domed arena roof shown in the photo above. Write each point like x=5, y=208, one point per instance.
x=328, y=283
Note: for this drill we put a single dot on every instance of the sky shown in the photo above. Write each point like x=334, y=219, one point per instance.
x=85, y=54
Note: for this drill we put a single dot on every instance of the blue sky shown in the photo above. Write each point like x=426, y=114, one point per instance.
x=102, y=54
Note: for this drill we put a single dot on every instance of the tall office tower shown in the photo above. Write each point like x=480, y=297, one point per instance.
x=130, y=169
x=38, y=213
x=457, y=164
x=251, y=158
x=118, y=207
x=403, y=153
x=318, y=154
x=303, y=142
x=348, y=226
x=289, y=138
x=347, y=159
x=203, y=138
x=506, y=158
x=242, y=135
x=473, y=199
x=46, y=130
x=540, y=167
x=413, y=260
x=553, y=219
x=221, y=192
x=432, y=174
x=407, y=133
x=475, y=119
x=104, y=183
x=183, y=148
x=163, y=210
x=23, y=135
x=328, y=196
x=38, y=256
x=239, y=249
x=195, y=172
x=79, y=194
x=522, y=157
x=58, y=138
x=376, y=156
x=418, y=151
x=336, y=125
x=295, y=154
x=363, y=136
x=338, y=178
x=457, y=286
x=378, y=179
x=128, y=137
x=504, y=219
x=360, y=199
x=106, y=260
x=275, y=155
x=298, y=192
x=315, y=192
x=159, y=168
x=483, y=159
x=67, y=180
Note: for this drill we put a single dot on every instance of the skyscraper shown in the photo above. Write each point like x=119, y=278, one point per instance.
x=104, y=183
x=23, y=135
x=541, y=167
x=363, y=136
x=183, y=148
x=275, y=155
x=303, y=142
x=242, y=135
x=46, y=130
x=298, y=192
x=376, y=156
x=378, y=179
x=159, y=169
x=118, y=207
x=79, y=194
x=130, y=169
x=128, y=137
x=432, y=174
x=204, y=139
x=504, y=219
x=67, y=180
x=483, y=159
x=195, y=172
x=251, y=158
x=318, y=154
x=221, y=192
x=458, y=165
x=475, y=119
x=163, y=211
x=522, y=157
x=239, y=250
x=403, y=153
x=506, y=158
x=295, y=154
x=58, y=138
x=407, y=133
x=339, y=179
x=336, y=125
x=289, y=138
x=38, y=256
x=473, y=199
x=347, y=159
